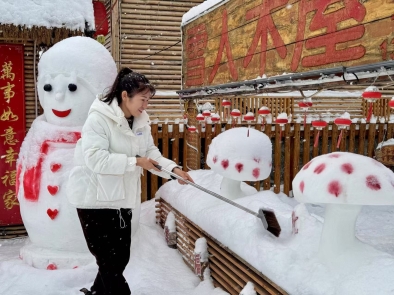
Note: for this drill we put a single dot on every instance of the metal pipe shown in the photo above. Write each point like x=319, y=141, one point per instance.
x=288, y=77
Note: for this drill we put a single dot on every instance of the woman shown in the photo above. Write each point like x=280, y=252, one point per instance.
x=104, y=185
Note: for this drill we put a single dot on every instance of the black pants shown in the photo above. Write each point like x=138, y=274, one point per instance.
x=108, y=236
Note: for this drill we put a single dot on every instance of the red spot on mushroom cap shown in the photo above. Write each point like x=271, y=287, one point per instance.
x=335, y=188
x=302, y=185
x=334, y=155
x=347, y=168
x=256, y=172
x=215, y=159
x=307, y=165
x=225, y=164
x=239, y=167
x=373, y=183
x=319, y=169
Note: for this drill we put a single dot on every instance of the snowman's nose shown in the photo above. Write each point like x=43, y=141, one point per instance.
x=59, y=96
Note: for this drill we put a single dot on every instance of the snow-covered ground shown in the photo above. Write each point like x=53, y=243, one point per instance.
x=289, y=260
x=153, y=268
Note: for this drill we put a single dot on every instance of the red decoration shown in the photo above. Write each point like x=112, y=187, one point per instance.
x=52, y=266
x=263, y=112
x=53, y=189
x=342, y=124
x=55, y=167
x=12, y=129
x=52, y=213
x=200, y=117
x=206, y=113
x=305, y=105
x=281, y=122
x=371, y=94
x=391, y=103
x=248, y=118
x=319, y=125
x=100, y=19
x=192, y=129
x=235, y=114
x=226, y=103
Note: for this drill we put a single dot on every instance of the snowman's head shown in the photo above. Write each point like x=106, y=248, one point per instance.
x=70, y=75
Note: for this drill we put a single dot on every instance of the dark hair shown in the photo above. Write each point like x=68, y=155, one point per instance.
x=129, y=81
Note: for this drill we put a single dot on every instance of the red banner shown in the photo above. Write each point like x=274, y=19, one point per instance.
x=12, y=128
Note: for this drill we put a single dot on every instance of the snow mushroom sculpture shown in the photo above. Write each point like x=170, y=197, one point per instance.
x=70, y=75
x=344, y=182
x=240, y=158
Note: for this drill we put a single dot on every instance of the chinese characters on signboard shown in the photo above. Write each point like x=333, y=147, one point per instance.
x=12, y=128
x=264, y=37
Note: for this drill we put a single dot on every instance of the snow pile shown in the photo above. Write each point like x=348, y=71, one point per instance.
x=291, y=260
x=384, y=143
x=248, y=289
x=170, y=222
x=71, y=14
x=201, y=248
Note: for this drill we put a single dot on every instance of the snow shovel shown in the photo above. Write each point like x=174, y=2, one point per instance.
x=266, y=216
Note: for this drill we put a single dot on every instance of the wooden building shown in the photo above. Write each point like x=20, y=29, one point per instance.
x=145, y=35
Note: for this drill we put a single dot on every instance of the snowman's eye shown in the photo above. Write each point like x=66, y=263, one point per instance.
x=72, y=87
x=47, y=87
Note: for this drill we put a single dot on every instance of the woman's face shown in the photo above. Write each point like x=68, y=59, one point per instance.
x=136, y=105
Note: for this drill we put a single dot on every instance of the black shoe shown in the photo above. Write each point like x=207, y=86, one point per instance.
x=86, y=291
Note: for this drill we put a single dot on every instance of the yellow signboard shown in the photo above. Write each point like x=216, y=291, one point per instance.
x=244, y=40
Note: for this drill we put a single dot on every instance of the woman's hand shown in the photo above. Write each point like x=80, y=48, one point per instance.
x=182, y=174
x=147, y=163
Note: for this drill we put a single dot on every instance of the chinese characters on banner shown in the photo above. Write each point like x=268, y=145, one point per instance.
x=12, y=128
x=270, y=37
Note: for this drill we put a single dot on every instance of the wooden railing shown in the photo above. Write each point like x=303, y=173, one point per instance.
x=290, y=152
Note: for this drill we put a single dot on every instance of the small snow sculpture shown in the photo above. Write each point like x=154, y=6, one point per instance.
x=319, y=125
x=200, y=256
x=263, y=112
x=282, y=120
x=170, y=230
x=249, y=117
x=249, y=159
x=235, y=114
x=305, y=105
x=345, y=182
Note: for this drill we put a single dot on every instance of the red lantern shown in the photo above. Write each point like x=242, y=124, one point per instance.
x=371, y=94
x=342, y=124
x=235, y=113
x=248, y=118
x=391, y=103
x=282, y=121
x=263, y=112
x=100, y=19
x=304, y=105
x=319, y=125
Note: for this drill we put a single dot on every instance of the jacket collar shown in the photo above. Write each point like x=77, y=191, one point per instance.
x=115, y=113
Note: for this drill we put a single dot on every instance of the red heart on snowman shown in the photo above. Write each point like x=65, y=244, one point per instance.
x=55, y=167
x=52, y=189
x=52, y=213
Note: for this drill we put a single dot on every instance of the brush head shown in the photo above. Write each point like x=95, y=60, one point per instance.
x=270, y=222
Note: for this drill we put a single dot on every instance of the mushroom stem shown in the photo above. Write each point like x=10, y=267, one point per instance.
x=231, y=189
x=338, y=231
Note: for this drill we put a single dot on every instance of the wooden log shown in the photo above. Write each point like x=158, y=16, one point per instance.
x=267, y=181
x=165, y=143
x=371, y=139
x=277, y=157
x=306, y=144
x=361, y=138
x=296, y=150
x=334, y=137
x=286, y=173
x=352, y=135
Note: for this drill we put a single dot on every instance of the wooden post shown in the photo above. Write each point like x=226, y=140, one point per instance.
x=286, y=173
x=193, y=139
x=115, y=34
x=277, y=158
x=324, y=141
x=267, y=182
x=371, y=139
x=306, y=145
x=296, y=150
x=165, y=144
x=208, y=140
x=352, y=135
x=361, y=138
x=175, y=143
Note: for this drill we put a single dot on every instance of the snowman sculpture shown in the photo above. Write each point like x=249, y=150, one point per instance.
x=70, y=75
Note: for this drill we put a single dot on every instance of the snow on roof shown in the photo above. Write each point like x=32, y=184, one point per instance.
x=70, y=14
x=201, y=9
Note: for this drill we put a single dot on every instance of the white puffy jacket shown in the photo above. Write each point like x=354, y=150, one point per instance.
x=105, y=174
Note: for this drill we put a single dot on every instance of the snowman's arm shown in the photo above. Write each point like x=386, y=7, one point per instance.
x=154, y=153
x=95, y=145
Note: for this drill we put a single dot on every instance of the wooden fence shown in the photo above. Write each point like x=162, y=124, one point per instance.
x=290, y=151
